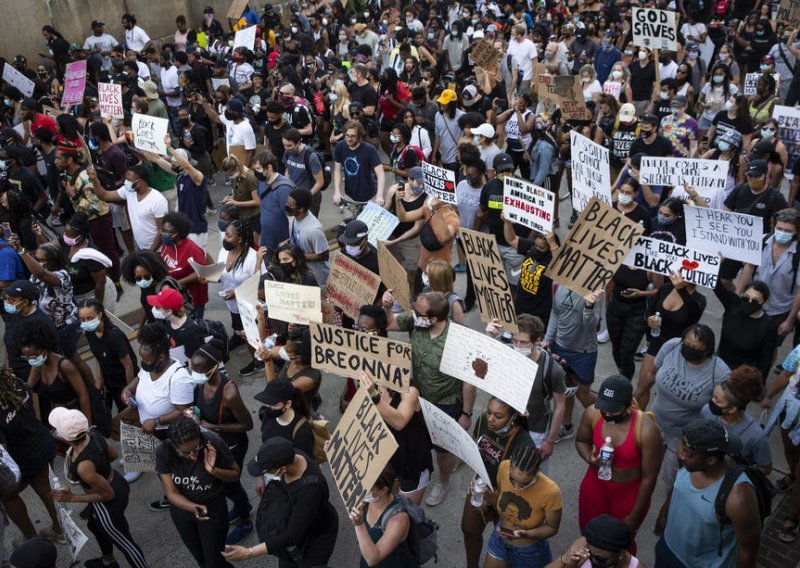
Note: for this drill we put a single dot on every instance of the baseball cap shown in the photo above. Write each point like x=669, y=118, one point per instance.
x=470, y=95
x=97, y=24
x=150, y=90
x=692, y=46
x=168, y=298
x=415, y=174
x=354, y=232
x=615, y=394
x=185, y=155
x=23, y=289
x=756, y=168
x=37, y=552
x=627, y=113
x=236, y=105
x=651, y=119
x=276, y=391
x=710, y=436
x=447, y=97
x=680, y=100
x=208, y=10
x=69, y=424
x=30, y=102
x=484, y=129
x=768, y=59
x=275, y=452
x=503, y=163
x=44, y=134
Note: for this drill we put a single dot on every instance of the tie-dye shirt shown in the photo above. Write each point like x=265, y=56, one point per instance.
x=681, y=133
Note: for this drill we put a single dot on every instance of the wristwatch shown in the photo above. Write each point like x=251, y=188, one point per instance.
x=467, y=414
x=157, y=421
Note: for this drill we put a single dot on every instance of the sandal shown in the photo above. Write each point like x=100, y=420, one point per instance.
x=784, y=484
x=788, y=532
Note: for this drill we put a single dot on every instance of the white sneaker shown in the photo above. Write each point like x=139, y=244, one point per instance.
x=603, y=337
x=132, y=476
x=437, y=494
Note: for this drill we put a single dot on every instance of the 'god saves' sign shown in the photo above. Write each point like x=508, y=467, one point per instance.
x=655, y=29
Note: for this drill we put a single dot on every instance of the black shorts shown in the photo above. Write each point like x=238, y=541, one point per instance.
x=386, y=124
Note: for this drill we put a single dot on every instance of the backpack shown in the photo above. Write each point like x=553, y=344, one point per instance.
x=422, y=531
x=326, y=169
x=764, y=493
x=321, y=436
x=216, y=329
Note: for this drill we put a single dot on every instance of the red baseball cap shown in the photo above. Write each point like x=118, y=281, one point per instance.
x=167, y=298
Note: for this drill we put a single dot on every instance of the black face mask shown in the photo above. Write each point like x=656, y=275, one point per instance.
x=715, y=408
x=542, y=256
x=274, y=122
x=474, y=181
x=286, y=267
x=289, y=211
x=227, y=245
x=614, y=418
x=692, y=355
x=150, y=367
x=183, y=122
x=267, y=412
x=260, y=176
x=749, y=308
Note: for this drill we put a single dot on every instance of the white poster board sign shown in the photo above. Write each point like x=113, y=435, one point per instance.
x=439, y=182
x=293, y=303
x=379, y=221
x=733, y=235
x=110, y=98
x=18, y=80
x=245, y=38
x=789, y=133
x=655, y=29
x=528, y=204
x=448, y=434
x=706, y=176
x=591, y=172
x=488, y=364
x=76, y=538
x=246, y=300
x=662, y=257
x=149, y=132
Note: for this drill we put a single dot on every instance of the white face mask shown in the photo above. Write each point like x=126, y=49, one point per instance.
x=158, y=314
x=525, y=351
x=724, y=56
x=426, y=281
x=625, y=199
x=269, y=477
x=129, y=186
x=728, y=105
x=616, y=74
x=198, y=378
x=284, y=355
x=421, y=322
x=370, y=497
x=642, y=55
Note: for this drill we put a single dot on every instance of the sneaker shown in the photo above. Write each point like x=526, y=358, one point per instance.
x=239, y=533
x=603, y=337
x=160, y=505
x=566, y=433
x=132, y=476
x=51, y=534
x=640, y=354
x=460, y=267
x=249, y=369
x=235, y=342
x=233, y=516
x=437, y=494
x=573, y=219
x=99, y=563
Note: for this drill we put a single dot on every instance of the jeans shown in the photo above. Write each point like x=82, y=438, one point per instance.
x=536, y=555
x=626, y=326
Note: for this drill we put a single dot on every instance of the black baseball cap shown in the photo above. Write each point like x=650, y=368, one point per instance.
x=615, y=394
x=503, y=163
x=275, y=452
x=650, y=118
x=711, y=437
x=37, y=552
x=23, y=289
x=756, y=168
x=355, y=231
x=236, y=105
x=97, y=24
x=277, y=391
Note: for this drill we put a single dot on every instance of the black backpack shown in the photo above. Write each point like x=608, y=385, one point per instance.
x=326, y=169
x=763, y=488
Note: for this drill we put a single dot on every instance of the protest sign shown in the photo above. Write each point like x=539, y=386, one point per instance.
x=591, y=174
x=528, y=204
x=488, y=364
x=74, y=83
x=138, y=448
x=245, y=38
x=594, y=248
x=662, y=257
x=379, y=222
x=350, y=285
x=789, y=14
x=18, y=80
x=751, y=82
x=76, y=538
x=706, y=176
x=654, y=29
x=489, y=278
x=110, y=98
x=733, y=235
x=347, y=352
x=236, y=9
x=789, y=133
x=439, y=182
x=292, y=303
x=484, y=54
x=211, y=273
x=246, y=300
x=394, y=276
x=612, y=88
x=565, y=92
x=149, y=132
x=448, y=434
x=359, y=449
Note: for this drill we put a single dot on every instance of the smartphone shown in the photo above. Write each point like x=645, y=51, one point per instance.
x=506, y=532
x=132, y=402
x=625, y=292
x=201, y=513
x=6, y=230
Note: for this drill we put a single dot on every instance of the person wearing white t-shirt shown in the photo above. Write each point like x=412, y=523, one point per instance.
x=135, y=37
x=100, y=42
x=238, y=131
x=146, y=206
x=524, y=54
x=170, y=82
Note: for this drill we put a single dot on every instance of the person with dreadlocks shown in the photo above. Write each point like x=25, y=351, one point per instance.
x=193, y=465
x=529, y=508
x=33, y=448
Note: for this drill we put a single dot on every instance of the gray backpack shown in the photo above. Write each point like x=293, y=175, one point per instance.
x=422, y=531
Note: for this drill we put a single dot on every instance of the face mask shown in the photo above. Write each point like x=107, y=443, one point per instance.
x=333, y=97
x=646, y=133
x=664, y=220
x=625, y=199
x=129, y=186
x=37, y=361
x=764, y=67
x=352, y=250
x=474, y=181
x=227, y=245
x=642, y=56
x=454, y=33
x=616, y=74
x=426, y=281
x=693, y=55
x=8, y=103
x=3, y=165
x=767, y=133
x=324, y=21
x=183, y=122
x=422, y=322
x=198, y=378
x=260, y=176
x=749, y=308
x=507, y=427
x=93, y=144
x=394, y=138
x=90, y=325
x=783, y=237
x=692, y=355
x=628, y=52
x=716, y=409
x=723, y=146
x=524, y=351
x=718, y=79
x=150, y=367
x=724, y=56
x=284, y=355
x=370, y=497
x=728, y=105
x=289, y=211
x=273, y=412
x=663, y=96
x=9, y=308
x=549, y=55
x=431, y=36
x=167, y=240
x=144, y=283
x=286, y=267
x=761, y=33
x=70, y=241
x=158, y=314
x=613, y=418
x=606, y=44
x=269, y=477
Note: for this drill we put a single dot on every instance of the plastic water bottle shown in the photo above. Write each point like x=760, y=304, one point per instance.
x=55, y=483
x=478, y=489
x=606, y=457
x=656, y=331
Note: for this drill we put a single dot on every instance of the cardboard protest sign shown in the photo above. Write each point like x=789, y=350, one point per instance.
x=211, y=273
x=245, y=38
x=488, y=364
x=359, y=449
x=18, y=80
x=138, y=448
x=439, y=182
x=292, y=303
x=594, y=248
x=655, y=29
x=76, y=538
x=350, y=285
x=751, y=82
x=733, y=235
x=789, y=14
x=706, y=176
x=591, y=173
x=565, y=92
x=789, y=133
x=662, y=257
x=110, y=98
x=448, y=434
x=246, y=301
x=484, y=54
x=394, y=276
x=528, y=204
x=236, y=9
x=347, y=352
x=489, y=278
x=379, y=221
x=149, y=132
x=74, y=83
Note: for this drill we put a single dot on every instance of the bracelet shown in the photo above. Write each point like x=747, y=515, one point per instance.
x=22, y=252
x=467, y=414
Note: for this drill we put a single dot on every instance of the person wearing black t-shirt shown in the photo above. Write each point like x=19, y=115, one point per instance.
x=663, y=105
x=643, y=79
x=650, y=142
x=626, y=309
x=361, y=91
x=284, y=414
x=275, y=128
x=734, y=117
x=534, y=290
x=20, y=299
x=193, y=465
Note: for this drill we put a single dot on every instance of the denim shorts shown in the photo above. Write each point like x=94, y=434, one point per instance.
x=536, y=555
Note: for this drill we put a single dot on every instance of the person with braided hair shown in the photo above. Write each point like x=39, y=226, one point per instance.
x=33, y=448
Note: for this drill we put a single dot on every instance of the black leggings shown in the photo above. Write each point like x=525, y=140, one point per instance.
x=518, y=157
x=205, y=540
x=233, y=489
x=110, y=527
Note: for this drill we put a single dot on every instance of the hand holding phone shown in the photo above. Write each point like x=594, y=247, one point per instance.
x=6, y=230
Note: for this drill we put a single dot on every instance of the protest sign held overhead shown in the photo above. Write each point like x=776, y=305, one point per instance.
x=379, y=222
x=394, y=276
x=110, y=99
x=737, y=236
x=488, y=364
x=448, y=434
x=789, y=14
x=18, y=80
x=484, y=54
x=594, y=248
x=591, y=173
x=528, y=204
x=149, y=133
x=439, y=182
x=564, y=92
x=492, y=289
x=347, y=352
x=359, y=449
x=74, y=83
x=706, y=176
x=138, y=448
x=654, y=29
x=245, y=38
x=789, y=133
x=292, y=303
x=662, y=257
x=350, y=285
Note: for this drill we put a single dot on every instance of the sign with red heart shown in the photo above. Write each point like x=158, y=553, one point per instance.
x=662, y=257
x=687, y=264
x=439, y=182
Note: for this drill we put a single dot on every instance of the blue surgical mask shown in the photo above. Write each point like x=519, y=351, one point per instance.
x=8, y=103
x=9, y=308
x=718, y=79
x=764, y=67
x=767, y=133
x=167, y=240
x=90, y=325
x=93, y=144
x=783, y=237
x=144, y=284
x=664, y=220
x=507, y=427
x=37, y=361
x=222, y=225
x=723, y=146
x=3, y=165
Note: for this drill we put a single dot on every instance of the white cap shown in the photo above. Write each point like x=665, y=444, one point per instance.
x=69, y=424
x=484, y=129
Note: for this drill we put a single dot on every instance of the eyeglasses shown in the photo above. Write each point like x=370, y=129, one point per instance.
x=365, y=329
x=187, y=454
x=351, y=136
